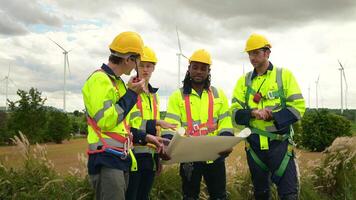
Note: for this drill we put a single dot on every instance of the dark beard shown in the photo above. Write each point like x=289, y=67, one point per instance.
x=198, y=82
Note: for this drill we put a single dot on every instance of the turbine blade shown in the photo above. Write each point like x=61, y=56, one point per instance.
x=184, y=56
x=67, y=60
x=340, y=64
x=179, y=45
x=343, y=73
x=57, y=44
x=8, y=72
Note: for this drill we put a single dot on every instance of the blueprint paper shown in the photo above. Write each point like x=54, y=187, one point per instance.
x=201, y=148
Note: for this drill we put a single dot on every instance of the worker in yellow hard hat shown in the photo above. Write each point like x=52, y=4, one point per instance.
x=108, y=101
x=145, y=116
x=202, y=110
x=268, y=101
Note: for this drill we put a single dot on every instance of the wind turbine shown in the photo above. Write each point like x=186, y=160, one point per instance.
x=66, y=64
x=179, y=54
x=342, y=75
x=309, y=96
x=7, y=79
x=316, y=91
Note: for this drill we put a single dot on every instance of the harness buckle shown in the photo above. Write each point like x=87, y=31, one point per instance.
x=196, y=127
x=270, y=95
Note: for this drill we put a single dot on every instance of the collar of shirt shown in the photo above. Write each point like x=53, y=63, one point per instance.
x=152, y=89
x=254, y=73
x=109, y=71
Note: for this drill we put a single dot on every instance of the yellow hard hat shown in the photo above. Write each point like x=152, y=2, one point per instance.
x=127, y=42
x=202, y=56
x=148, y=55
x=256, y=41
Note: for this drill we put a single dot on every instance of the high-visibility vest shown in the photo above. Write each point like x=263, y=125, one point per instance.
x=205, y=114
x=111, y=141
x=280, y=91
x=146, y=109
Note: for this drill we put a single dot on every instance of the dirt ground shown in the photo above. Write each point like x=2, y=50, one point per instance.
x=64, y=156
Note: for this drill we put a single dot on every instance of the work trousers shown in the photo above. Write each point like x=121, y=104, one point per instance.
x=110, y=184
x=287, y=184
x=214, y=176
x=140, y=184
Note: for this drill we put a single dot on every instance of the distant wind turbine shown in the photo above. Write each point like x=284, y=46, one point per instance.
x=309, y=96
x=66, y=64
x=343, y=76
x=316, y=91
x=7, y=79
x=179, y=54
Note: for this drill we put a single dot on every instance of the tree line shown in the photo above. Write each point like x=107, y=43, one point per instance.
x=40, y=123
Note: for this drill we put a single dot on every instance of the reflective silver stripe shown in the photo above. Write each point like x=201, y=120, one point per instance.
x=166, y=132
x=100, y=113
x=233, y=117
x=143, y=149
x=295, y=97
x=194, y=122
x=271, y=129
x=295, y=112
x=215, y=92
x=120, y=113
x=248, y=79
x=143, y=125
x=181, y=92
x=279, y=77
x=133, y=115
x=222, y=116
x=173, y=116
x=275, y=107
x=230, y=130
x=109, y=141
x=242, y=104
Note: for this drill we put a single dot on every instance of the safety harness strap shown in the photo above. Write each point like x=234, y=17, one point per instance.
x=196, y=130
x=126, y=141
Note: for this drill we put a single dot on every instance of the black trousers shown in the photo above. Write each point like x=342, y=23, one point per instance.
x=214, y=176
x=287, y=185
x=140, y=184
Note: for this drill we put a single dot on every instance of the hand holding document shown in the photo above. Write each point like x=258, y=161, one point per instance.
x=200, y=148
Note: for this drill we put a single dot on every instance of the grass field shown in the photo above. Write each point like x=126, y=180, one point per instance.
x=64, y=156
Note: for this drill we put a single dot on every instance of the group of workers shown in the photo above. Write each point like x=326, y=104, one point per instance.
x=127, y=138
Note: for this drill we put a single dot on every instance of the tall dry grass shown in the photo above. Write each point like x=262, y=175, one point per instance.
x=37, y=179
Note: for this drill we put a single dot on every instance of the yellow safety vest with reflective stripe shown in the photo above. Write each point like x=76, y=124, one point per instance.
x=139, y=120
x=100, y=97
x=176, y=111
x=267, y=85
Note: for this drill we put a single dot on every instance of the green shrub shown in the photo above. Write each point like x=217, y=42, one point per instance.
x=320, y=128
x=167, y=185
x=58, y=127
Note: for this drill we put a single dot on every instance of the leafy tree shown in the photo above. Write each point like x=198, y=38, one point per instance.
x=28, y=115
x=4, y=133
x=58, y=128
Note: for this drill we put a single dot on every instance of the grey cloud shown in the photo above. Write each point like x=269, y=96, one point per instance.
x=10, y=27
x=207, y=20
x=16, y=15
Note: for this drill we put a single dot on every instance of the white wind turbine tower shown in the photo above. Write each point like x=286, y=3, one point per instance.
x=7, y=79
x=309, y=96
x=316, y=91
x=343, y=76
x=179, y=54
x=66, y=64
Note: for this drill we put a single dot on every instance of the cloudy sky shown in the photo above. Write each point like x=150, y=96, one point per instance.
x=308, y=37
